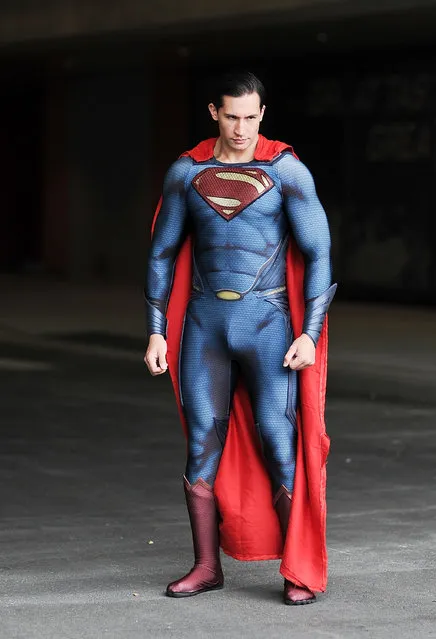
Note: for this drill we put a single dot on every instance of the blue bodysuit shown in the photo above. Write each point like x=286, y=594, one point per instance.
x=237, y=320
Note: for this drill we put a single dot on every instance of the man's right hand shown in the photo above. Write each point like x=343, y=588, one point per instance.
x=155, y=356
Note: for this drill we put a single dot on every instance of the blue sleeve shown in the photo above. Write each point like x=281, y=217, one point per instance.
x=308, y=222
x=310, y=229
x=169, y=232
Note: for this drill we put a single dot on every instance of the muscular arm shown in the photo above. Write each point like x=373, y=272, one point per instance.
x=310, y=228
x=169, y=232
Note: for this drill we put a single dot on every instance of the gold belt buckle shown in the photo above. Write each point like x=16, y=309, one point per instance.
x=228, y=295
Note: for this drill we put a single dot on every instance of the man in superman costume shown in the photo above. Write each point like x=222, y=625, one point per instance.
x=237, y=292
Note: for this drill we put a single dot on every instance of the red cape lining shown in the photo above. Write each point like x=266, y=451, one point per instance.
x=249, y=529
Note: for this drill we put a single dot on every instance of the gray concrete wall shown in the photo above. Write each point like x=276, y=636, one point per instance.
x=31, y=20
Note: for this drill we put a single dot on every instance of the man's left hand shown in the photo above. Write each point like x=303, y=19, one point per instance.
x=301, y=353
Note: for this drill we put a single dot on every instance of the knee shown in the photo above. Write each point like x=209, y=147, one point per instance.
x=279, y=445
x=203, y=464
x=202, y=439
x=204, y=453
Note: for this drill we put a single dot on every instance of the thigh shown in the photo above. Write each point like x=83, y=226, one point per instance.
x=273, y=388
x=273, y=393
x=205, y=370
x=206, y=384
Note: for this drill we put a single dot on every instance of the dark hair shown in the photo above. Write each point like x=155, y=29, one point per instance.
x=236, y=84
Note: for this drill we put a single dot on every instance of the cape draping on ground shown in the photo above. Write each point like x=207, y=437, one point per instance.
x=249, y=529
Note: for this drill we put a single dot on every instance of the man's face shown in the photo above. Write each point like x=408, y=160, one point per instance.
x=239, y=119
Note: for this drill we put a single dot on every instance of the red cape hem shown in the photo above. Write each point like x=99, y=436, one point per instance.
x=243, y=557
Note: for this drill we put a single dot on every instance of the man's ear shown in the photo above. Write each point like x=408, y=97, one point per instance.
x=262, y=111
x=213, y=111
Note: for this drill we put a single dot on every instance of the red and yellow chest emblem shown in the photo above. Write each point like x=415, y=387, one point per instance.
x=230, y=191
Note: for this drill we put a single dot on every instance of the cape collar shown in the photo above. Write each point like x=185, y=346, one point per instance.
x=266, y=150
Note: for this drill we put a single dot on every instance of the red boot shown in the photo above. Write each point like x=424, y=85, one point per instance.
x=206, y=573
x=293, y=595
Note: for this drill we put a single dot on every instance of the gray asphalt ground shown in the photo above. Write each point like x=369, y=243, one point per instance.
x=93, y=523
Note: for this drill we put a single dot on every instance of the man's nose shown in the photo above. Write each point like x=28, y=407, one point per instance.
x=239, y=128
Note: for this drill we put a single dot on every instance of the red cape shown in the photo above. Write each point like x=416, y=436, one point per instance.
x=249, y=529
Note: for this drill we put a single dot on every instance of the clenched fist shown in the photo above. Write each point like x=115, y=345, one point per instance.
x=155, y=356
x=301, y=353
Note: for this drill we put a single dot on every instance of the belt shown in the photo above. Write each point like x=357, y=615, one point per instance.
x=233, y=296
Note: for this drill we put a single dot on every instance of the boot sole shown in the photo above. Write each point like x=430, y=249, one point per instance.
x=178, y=595
x=303, y=602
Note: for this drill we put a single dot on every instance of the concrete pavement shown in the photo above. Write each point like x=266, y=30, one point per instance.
x=93, y=523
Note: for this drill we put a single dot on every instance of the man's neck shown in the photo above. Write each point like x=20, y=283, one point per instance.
x=226, y=154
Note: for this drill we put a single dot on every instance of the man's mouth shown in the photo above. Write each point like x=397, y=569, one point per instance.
x=239, y=140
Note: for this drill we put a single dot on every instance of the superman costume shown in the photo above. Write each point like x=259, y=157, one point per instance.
x=239, y=266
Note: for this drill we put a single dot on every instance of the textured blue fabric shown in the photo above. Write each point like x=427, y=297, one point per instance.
x=224, y=339
x=231, y=254
x=168, y=237
x=308, y=223
x=240, y=217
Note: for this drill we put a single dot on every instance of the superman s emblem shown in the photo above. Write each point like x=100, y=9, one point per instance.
x=230, y=191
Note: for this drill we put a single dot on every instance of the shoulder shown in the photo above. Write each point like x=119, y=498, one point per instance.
x=177, y=173
x=292, y=173
x=267, y=150
x=202, y=151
